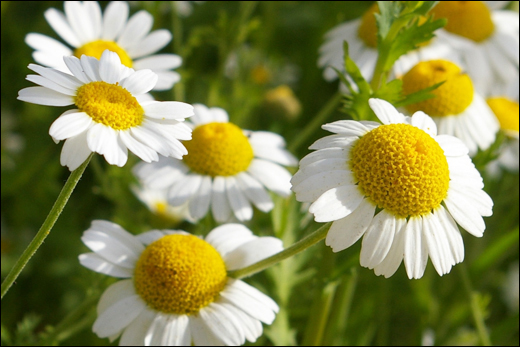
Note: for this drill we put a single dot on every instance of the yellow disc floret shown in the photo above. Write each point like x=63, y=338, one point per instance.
x=218, y=149
x=109, y=104
x=401, y=169
x=451, y=98
x=506, y=111
x=367, y=30
x=179, y=274
x=470, y=19
x=96, y=48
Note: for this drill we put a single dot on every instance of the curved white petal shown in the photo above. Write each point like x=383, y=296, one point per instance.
x=237, y=201
x=99, y=264
x=199, y=204
x=118, y=316
x=228, y=237
x=138, y=148
x=252, y=252
x=336, y=203
x=168, y=110
x=415, y=248
x=137, y=27
x=135, y=332
x=159, y=62
x=44, y=96
x=61, y=26
x=255, y=192
x=75, y=151
x=386, y=113
x=69, y=125
x=273, y=176
x=219, y=201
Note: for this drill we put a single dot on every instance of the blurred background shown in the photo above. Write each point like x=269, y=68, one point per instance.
x=258, y=61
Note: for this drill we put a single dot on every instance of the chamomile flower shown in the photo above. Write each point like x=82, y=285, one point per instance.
x=227, y=169
x=175, y=289
x=361, y=35
x=109, y=119
x=487, y=41
x=84, y=28
x=457, y=108
x=399, y=185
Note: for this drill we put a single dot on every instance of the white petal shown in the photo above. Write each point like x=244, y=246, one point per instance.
x=114, y=19
x=168, y=330
x=333, y=141
x=415, y=248
x=135, y=332
x=69, y=125
x=252, y=252
x=385, y=111
x=253, y=293
x=422, y=121
x=162, y=174
x=273, y=176
x=151, y=139
x=118, y=316
x=166, y=79
x=452, y=146
x=159, y=62
x=336, y=203
x=344, y=232
x=277, y=155
x=314, y=186
x=228, y=237
x=80, y=21
x=479, y=198
x=433, y=236
x=75, y=151
x=251, y=326
x=223, y=324
x=350, y=127
x=239, y=204
x=266, y=138
x=452, y=233
x=115, y=292
x=137, y=27
x=99, y=264
x=255, y=192
x=110, y=67
x=105, y=140
x=168, y=110
x=65, y=80
x=219, y=201
x=74, y=66
x=90, y=66
x=394, y=257
x=150, y=44
x=324, y=165
x=199, y=204
x=138, y=148
x=44, y=96
x=465, y=214
x=42, y=81
x=201, y=334
x=379, y=238
x=325, y=154
x=61, y=26
x=184, y=189
x=140, y=82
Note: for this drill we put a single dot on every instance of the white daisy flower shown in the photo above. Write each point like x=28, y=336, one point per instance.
x=227, y=169
x=361, y=35
x=109, y=118
x=400, y=185
x=84, y=28
x=175, y=289
x=487, y=41
x=457, y=108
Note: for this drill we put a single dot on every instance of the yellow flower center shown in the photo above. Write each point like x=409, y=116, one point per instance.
x=367, y=30
x=506, y=111
x=451, y=98
x=218, y=149
x=96, y=48
x=401, y=169
x=470, y=19
x=179, y=274
x=109, y=104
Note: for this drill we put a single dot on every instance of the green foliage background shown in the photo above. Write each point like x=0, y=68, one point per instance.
x=325, y=298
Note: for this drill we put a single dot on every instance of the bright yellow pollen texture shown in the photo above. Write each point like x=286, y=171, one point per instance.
x=451, y=98
x=109, y=104
x=470, y=19
x=506, y=111
x=179, y=274
x=96, y=48
x=218, y=149
x=401, y=169
x=367, y=30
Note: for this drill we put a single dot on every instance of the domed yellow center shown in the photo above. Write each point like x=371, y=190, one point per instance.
x=218, y=149
x=179, y=274
x=96, y=48
x=470, y=19
x=367, y=30
x=109, y=104
x=401, y=169
x=451, y=98
x=506, y=111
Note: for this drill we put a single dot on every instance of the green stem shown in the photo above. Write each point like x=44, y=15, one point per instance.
x=296, y=248
x=46, y=226
x=316, y=122
x=478, y=315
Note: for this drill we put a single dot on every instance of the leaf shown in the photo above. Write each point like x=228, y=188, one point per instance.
x=418, y=96
x=391, y=91
x=354, y=72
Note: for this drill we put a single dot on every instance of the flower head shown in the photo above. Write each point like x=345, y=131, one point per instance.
x=89, y=32
x=226, y=169
x=175, y=289
x=400, y=185
x=456, y=108
x=109, y=118
x=486, y=39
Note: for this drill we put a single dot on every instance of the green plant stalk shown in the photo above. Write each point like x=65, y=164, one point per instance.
x=320, y=315
x=296, y=248
x=478, y=315
x=316, y=122
x=46, y=227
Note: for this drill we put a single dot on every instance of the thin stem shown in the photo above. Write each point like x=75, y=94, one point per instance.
x=46, y=227
x=296, y=248
x=478, y=315
x=316, y=122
